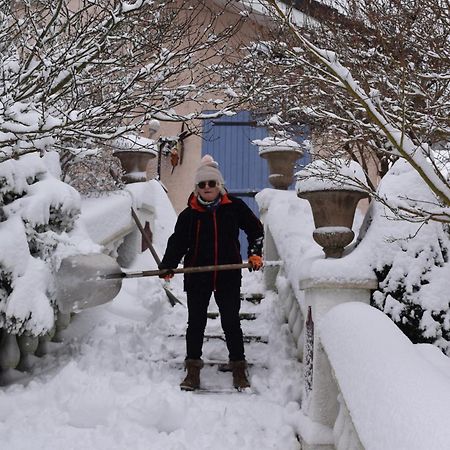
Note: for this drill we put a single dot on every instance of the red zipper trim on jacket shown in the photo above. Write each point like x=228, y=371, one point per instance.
x=216, y=250
x=197, y=234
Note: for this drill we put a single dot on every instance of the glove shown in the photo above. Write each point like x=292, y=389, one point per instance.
x=256, y=262
x=167, y=274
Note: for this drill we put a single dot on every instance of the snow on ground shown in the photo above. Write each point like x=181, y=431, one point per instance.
x=113, y=383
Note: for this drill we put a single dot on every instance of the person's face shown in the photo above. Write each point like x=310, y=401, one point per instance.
x=208, y=190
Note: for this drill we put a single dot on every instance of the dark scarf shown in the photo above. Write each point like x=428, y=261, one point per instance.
x=209, y=206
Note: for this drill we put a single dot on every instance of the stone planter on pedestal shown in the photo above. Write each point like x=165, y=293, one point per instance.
x=281, y=155
x=333, y=197
x=134, y=153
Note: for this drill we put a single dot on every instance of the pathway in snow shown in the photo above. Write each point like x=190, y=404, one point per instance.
x=113, y=383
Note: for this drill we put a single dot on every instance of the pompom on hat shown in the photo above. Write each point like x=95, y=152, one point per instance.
x=208, y=170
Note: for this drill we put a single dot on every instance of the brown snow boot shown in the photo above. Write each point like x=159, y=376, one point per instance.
x=192, y=380
x=239, y=369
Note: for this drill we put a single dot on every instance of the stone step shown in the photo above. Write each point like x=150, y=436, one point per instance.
x=222, y=391
x=242, y=315
x=222, y=366
x=247, y=338
x=252, y=298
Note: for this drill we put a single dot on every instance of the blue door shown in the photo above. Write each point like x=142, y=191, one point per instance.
x=229, y=141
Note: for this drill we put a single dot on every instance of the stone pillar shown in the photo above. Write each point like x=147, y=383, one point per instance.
x=320, y=403
x=270, y=254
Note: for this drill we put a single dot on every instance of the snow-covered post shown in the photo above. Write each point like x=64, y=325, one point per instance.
x=322, y=293
x=329, y=282
x=134, y=153
x=134, y=243
x=281, y=155
x=333, y=201
x=270, y=254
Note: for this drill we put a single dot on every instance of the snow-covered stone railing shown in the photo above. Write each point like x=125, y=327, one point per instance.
x=284, y=240
x=308, y=287
x=392, y=394
x=109, y=222
x=366, y=386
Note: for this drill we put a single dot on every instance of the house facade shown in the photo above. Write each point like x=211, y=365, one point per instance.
x=228, y=138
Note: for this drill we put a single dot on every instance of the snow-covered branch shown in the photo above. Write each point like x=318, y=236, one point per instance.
x=371, y=80
x=102, y=68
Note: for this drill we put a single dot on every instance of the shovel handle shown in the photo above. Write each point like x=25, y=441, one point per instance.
x=145, y=237
x=153, y=273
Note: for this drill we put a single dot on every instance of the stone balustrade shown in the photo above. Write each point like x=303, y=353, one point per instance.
x=358, y=366
x=308, y=287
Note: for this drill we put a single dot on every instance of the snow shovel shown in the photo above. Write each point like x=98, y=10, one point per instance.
x=172, y=299
x=80, y=283
x=84, y=281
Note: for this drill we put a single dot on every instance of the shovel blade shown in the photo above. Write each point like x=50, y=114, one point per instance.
x=81, y=283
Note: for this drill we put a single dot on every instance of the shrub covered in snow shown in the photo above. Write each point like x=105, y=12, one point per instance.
x=39, y=215
x=412, y=262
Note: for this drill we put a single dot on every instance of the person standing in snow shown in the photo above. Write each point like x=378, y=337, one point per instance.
x=206, y=233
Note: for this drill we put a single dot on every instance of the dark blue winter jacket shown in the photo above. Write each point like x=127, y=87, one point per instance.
x=211, y=237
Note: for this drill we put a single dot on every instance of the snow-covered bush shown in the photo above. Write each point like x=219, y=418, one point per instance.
x=411, y=263
x=38, y=213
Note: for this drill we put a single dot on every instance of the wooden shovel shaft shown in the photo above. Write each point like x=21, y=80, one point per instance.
x=145, y=237
x=153, y=273
x=170, y=296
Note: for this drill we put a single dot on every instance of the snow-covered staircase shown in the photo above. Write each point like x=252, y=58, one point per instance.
x=215, y=376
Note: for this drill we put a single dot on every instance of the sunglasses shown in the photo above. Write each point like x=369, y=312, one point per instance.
x=210, y=183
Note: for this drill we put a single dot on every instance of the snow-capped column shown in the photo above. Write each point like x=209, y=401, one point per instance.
x=322, y=294
x=270, y=254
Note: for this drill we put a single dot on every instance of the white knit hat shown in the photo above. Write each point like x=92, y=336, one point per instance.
x=208, y=170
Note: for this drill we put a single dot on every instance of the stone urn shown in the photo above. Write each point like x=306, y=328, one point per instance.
x=281, y=156
x=333, y=203
x=134, y=153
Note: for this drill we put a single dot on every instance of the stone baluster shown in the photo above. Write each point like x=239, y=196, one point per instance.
x=62, y=322
x=9, y=351
x=344, y=432
x=270, y=254
x=28, y=345
x=292, y=313
x=44, y=341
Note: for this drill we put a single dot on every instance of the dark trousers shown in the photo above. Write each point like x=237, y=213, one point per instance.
x=229, y=303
